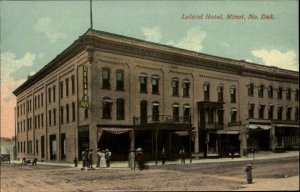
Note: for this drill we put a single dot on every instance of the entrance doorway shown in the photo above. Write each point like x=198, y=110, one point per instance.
x=83, y=140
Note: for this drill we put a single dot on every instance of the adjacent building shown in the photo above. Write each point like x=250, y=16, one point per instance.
x=115, y=92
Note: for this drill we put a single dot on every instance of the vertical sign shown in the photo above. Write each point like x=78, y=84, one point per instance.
x=85, y=101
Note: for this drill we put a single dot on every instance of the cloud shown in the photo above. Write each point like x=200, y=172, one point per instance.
x=277, y=58
x=192, y=41
x=9, y=64
x=152, y=34
x=44, y=25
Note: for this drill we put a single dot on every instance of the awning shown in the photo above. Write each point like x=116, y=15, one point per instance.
x=229, y=132
x=286, y=125
x=111, y=130
x=255, y=126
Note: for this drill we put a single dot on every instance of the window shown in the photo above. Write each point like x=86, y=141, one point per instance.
x=155, y=84
x=105, y=78
x=279, y=112
x=67, y=113
x=232, y=94
x=54, y=90
x=120, y=80
x=42, y=120
x=73, y=112
x=261, y=90
x=288, y=113
x=297, y=95
x=251, y=110
x=279, y=93
x=120, y=109
x=143, y=111
x=186, y=113
x=54, y=117
x=175, y=87
x=155, y=111
x=61, y=114
x=288, y=94
x=250, y=89
x=39, y=101
x=261, y=110
x=67, y=87
x=220, y=90
x=143, y=83
x=107, y=106
x=186, y=88
x=37, y=146
x=270, y=92
x=39, y=121
x=35, y=122
x=61, y=89
x=210, y=114
x=42, y=100
x=220, y=116
x=86, y=113
x=49, y=118
x=233, y=115
x=73, y=84
x=270, y=112
x=176, y=112
x=35, y=104
x=206, y=91
x=296, y=114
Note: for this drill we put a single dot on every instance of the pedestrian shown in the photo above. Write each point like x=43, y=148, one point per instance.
x=107, y=157
x=87, y=163
x=232, y=150
x=163, y=155
x=98, y=158
x=131, y=159
x=182, y=155
x=102, y=159
x=84, y=159
x=90, y=158
x=139, y=158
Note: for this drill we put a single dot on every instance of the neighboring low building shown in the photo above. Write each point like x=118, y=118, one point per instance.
x=7, y=146
x=115, y=92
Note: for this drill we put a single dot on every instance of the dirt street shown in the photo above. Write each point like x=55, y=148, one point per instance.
x=271, y=174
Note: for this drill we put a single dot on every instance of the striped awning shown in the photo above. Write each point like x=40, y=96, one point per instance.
x=111, y=130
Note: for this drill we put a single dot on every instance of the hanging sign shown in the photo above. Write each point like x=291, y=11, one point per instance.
x=85, y=100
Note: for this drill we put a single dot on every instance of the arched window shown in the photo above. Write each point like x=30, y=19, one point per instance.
x=220, y=90
x=175, y=86
x=120, y=80
x=206, y=90
x=186, y=88
x=120, y=109
x=175, y=109
x=261, y=88
x=155, y=84
x=155, y=111
x=288, y=94
x=270, y=92
x=233, y=94
x=279, y=93
x=105, y=78
x=143, y=82
x=250, y=89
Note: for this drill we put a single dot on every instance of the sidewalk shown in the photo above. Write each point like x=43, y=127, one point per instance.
x=124, y=164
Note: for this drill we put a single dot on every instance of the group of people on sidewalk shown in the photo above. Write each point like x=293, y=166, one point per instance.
x=103, y=158
x=87, y=158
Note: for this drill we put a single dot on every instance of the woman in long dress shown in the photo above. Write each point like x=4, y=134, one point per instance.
x=102, y=160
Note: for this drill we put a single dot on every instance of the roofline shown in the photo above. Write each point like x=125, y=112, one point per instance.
x=57, y=60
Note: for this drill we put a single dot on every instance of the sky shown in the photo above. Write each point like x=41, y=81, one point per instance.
x=35, y=32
